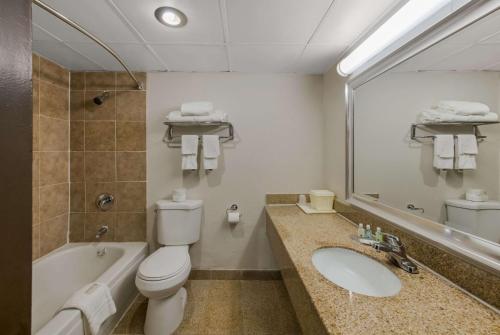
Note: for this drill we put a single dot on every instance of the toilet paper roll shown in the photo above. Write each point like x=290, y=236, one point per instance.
x=233, y=217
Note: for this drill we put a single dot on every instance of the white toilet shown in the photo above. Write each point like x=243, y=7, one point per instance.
x=480, y=218
x=161, y=276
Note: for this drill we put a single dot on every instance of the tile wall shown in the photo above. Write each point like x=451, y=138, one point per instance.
x=107, y=155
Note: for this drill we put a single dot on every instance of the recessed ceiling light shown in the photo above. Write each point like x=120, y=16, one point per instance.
x=170, y=17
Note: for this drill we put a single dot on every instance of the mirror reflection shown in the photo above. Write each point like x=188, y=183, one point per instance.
x=426, y=133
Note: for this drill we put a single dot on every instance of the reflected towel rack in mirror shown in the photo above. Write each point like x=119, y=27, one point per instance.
x=174, y=140
x=474, y=125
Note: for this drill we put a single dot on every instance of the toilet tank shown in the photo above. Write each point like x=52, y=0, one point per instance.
x=178, y=223
x=478, y=218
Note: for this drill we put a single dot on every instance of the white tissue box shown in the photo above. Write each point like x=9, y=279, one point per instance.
x=322, y=200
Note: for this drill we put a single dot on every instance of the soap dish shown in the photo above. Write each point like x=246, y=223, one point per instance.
x=309, y=210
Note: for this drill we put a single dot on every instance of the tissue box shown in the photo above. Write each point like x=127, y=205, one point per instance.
x=322, y=200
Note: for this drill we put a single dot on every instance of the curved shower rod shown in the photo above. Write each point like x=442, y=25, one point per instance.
x=91, y=36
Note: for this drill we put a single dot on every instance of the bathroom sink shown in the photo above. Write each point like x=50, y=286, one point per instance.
x=356, y=272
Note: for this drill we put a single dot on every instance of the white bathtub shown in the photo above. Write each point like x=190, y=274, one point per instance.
x=57, y=275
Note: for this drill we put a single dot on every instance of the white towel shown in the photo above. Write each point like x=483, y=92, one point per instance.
x=211, y=151
x=197, y=108
x=189, y=151
x=464, y=107
x=466, y=152
x=216, y=116
x=96, y=304
x=438, y=115
x=443, y=152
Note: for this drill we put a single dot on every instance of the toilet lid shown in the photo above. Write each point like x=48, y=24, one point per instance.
x=164, y=263
x=467, y=204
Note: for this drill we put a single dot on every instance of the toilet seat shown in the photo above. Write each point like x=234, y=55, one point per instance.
x=164, y=272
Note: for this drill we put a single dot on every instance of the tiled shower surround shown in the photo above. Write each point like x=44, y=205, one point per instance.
x=107, y=155
x=50, y=156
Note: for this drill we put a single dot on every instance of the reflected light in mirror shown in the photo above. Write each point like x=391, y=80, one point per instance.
x=405, y=19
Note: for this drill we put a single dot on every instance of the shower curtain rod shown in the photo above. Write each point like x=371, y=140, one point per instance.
x=91, y=36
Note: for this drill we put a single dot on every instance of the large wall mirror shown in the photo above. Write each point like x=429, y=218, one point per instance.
x=426, y=137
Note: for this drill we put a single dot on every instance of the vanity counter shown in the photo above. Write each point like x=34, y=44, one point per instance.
x=426, y=304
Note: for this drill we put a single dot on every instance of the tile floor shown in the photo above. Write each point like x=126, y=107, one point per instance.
x=219, y=307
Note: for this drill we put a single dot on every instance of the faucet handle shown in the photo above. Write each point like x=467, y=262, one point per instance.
x=392, y=239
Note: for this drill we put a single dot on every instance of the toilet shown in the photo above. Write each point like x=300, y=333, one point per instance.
x=162, y=274
x=480, y=218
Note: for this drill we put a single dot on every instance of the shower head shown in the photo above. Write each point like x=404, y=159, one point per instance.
x=99, y=100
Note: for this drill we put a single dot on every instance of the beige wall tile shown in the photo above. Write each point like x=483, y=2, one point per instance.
x=54, y=134
x=99, y=166
x=124, y=82
x=35, y=242
x=93, y=190
x=77, y=80
x=54, y=167
x=105, y=111
x=54, y=100
x=76, y=135
x=36, y=132
x=94, y=221
x=76, y=227
x=100, y=80
x=76, y=166
x=130, y=166
x=130, y=227
x=35, y=66
x=131, y=136
x=35, y=170
x=35, y=206
x=99, y=135
x=53, y=73
x=130, y=196
x=54, y=201
x=77, y=197
x=77, y=105
x=36, y=96
x=53, y=233
x=131, y=106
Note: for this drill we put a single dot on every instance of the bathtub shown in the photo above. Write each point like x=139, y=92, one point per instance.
x=59, y=274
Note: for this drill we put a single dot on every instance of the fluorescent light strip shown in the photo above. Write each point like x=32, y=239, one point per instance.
x=413, y=13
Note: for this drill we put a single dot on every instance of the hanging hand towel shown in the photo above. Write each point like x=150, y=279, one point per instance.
x=211, y=151
x=443, y=152
x=197, y=108
x=466, y=152
x=96, y=304
x=189, y=151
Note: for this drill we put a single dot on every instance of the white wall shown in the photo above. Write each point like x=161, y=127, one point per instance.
x=278, y=149
x=334, y=109
x=387, y=162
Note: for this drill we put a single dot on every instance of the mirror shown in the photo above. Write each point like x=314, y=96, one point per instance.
x=401, y=154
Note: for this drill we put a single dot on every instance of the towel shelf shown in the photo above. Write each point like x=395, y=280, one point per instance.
x=474, y=125
x=170, y=138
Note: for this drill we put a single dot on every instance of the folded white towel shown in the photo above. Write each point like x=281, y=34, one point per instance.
x=189, y=151
x=466, y=152
x=211, y=151
x=216, y=116
x=443, y=152
x=96, y=304
x=437, y=115
x=196, y=108
x=464, y=107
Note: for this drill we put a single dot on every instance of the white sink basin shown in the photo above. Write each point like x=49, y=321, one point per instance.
x=356, y=272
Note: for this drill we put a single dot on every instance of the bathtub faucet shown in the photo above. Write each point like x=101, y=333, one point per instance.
x=103, y=230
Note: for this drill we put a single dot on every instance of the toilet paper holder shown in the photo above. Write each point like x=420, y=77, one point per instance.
x=233, y=208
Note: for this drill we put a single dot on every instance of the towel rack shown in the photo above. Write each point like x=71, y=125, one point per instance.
x=170, y=138
x=474, y=125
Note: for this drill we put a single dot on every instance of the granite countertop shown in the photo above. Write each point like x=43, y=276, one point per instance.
x=426, y=304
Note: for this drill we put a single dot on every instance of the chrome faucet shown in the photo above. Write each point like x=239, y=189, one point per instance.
x=103, y=230
x=396, y=252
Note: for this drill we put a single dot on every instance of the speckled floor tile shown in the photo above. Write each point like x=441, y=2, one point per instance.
x=219, y=307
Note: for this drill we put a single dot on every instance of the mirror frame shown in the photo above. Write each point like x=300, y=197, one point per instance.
x=471, y=248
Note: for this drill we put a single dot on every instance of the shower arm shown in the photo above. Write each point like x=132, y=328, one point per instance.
x=89, y=35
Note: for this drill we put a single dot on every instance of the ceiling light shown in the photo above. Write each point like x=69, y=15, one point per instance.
x=170, y=17
x=405, y=19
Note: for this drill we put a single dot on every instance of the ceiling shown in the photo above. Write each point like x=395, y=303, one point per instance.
x=221, y=35
x=476, y=48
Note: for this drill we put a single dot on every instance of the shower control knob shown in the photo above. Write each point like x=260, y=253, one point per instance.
x=105, y=201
